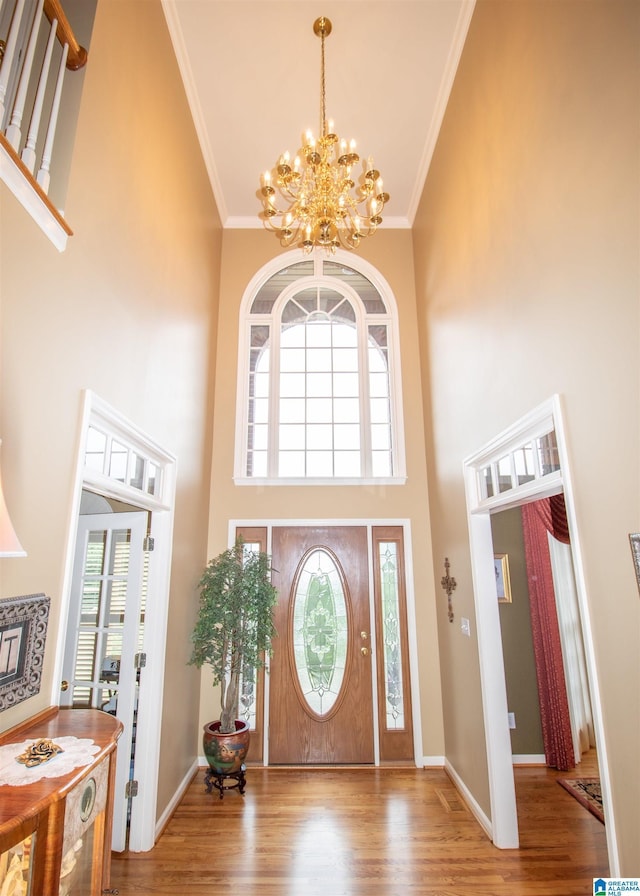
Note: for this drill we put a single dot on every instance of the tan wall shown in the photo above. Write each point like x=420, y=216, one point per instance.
x=517, y=639
x=244, y=253
x=526, y=248
x=127, y=311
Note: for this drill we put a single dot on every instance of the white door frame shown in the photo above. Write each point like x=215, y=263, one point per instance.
x=97, y=413
x=369, y=524
x=504, y=820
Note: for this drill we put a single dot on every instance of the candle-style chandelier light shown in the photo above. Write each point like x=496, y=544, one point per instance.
x=325, y=204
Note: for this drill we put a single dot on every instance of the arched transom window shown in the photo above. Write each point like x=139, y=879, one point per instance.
x=319, y=376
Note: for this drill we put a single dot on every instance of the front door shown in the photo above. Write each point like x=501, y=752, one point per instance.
x=321, y=698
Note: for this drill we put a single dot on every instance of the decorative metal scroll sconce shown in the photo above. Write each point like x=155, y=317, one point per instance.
x=634, y=541
x=449, y=584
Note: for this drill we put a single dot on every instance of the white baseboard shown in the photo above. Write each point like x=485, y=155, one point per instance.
x=529, y=759
x=433, y=762
x=176, y=799
x=469, y=799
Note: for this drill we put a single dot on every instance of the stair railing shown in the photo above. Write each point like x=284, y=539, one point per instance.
x=34, y=76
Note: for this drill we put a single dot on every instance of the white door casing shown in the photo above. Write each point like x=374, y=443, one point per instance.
x=97, y=414
x=369, y=524
x=506, y=446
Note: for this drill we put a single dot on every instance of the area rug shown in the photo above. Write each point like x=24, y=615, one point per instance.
x=587, y=792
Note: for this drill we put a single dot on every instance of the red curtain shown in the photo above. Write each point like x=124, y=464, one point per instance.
x=537, y=519
x=553, y=513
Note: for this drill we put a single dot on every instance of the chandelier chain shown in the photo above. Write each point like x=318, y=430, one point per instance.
x=323, y=87
x=328, y=203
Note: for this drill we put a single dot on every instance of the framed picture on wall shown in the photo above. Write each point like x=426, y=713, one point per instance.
x=23, y=631
x=503, y=583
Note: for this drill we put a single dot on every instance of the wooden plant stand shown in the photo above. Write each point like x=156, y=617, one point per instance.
x=216, y=779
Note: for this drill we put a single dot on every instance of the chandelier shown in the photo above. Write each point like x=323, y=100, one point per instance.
x=324, y=203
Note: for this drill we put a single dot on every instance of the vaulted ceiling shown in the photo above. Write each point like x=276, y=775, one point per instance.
x=251, y=70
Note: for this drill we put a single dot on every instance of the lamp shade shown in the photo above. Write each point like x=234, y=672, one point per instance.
x=9, y=544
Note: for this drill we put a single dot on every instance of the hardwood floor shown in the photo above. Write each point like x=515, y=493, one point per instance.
x=366, y=832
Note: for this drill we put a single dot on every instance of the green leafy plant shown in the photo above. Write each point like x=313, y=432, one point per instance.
x=234, y=629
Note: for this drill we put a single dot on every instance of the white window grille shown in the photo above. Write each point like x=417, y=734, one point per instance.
x=319, y=378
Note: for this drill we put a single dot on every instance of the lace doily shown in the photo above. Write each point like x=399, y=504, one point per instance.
x=77, y=751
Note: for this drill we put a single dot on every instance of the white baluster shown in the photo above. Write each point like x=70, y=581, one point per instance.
x=44, y=177
x=14, y=133
x=29, y=151
x=9, y=53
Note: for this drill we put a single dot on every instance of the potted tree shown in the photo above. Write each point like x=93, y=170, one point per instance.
x=233, y=635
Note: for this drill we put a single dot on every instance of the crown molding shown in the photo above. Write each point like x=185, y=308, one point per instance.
x=446, y=84
x=179, y=48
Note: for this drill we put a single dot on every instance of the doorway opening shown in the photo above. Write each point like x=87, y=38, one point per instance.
x=550, y=715
x=527, y=462
x=104, y=655
x=112, y=637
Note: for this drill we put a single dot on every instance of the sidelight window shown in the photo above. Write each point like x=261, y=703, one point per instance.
x=391, y=631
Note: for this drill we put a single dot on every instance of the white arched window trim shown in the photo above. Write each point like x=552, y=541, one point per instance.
x=390, y=319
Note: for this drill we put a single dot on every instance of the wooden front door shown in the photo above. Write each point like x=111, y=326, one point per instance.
x=321, y=708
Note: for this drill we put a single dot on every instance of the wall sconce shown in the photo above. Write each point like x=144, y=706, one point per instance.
x=9, y=544
x=449, y=584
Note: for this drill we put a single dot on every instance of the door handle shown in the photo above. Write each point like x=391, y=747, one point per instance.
x=64, y=685
x=364, y=636
x=364, y=651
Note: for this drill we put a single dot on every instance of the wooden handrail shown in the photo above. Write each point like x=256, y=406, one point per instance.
x=77, y=57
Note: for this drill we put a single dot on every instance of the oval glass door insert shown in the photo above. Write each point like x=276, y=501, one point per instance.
x=320, y=632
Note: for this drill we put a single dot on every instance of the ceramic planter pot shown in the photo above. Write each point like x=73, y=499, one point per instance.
x=226, y=753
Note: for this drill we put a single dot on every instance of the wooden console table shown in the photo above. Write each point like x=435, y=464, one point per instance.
x=55, y=831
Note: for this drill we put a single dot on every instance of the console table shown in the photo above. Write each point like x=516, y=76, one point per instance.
x=55, y=818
